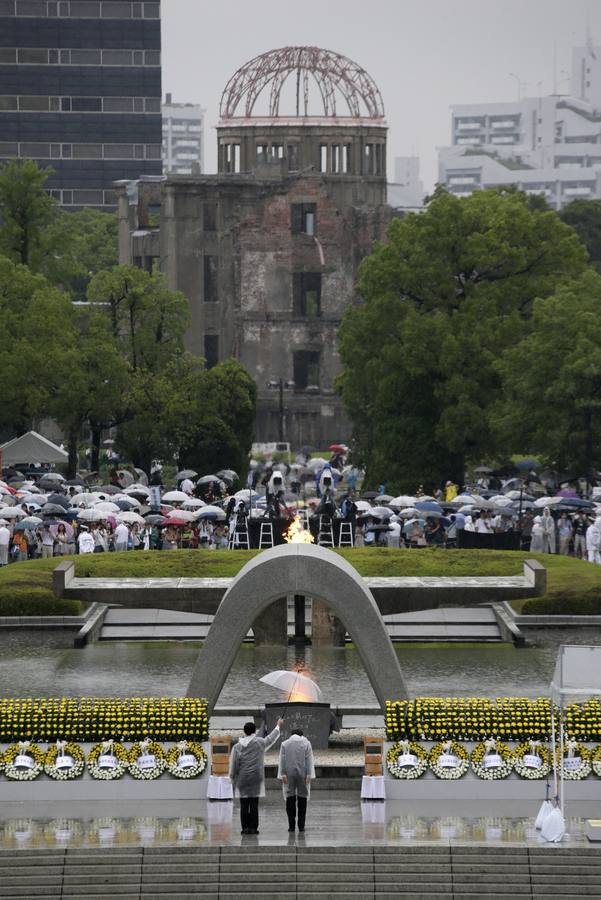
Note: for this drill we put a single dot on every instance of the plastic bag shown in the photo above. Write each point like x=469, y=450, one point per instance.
x=545, y=810
x=554, y=826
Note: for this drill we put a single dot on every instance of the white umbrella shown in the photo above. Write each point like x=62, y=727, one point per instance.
x=502, y=500
x=193, y=503
x=92, y=515
x=132, y=518
x=409, y=512
x=210, y=512
x=12, y=512
x=245, y=495
x=106, y=506
x=175, y=497
x=86, y=499
x=317, y=463
x=136, y=490
x=548, y=501
x=297, y=686
x=363, y=506
x=463, y=500
x=403, y=500
x=3, y=522
x=128, y=499
x=182, y=514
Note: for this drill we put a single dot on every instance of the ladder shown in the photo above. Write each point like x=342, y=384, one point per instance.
x=346, y=537
x=266, y=535
x=325, y=536
x=239, y=537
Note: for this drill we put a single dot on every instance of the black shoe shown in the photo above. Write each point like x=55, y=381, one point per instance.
x=301, y=829
x=245, y=831
x=254, y=831
x=292, y=829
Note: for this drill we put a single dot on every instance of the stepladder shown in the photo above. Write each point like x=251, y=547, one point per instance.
x=266, y=535
x=325, y=535
x=345, y=536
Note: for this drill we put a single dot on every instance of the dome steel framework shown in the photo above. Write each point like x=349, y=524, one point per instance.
x=334, y=75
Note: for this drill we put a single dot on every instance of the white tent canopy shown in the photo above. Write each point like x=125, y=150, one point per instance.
x=577, y=673
x=32, y=448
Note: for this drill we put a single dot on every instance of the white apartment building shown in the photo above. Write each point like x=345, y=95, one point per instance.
x=544, y=145
x=183, y=137
x=407, y=189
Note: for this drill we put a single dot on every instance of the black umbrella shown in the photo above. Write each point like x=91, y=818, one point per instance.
x=53, y=509
x=60, y=500
x=155, y=519
x=110, y=489
x=228, y=475
x=126, y=505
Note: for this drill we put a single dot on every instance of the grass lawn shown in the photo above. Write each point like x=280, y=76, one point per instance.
x=573, y=586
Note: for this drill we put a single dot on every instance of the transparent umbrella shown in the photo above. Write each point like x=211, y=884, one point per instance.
x=297, y=686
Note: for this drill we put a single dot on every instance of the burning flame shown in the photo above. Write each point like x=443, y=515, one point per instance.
x=296, y=534
x=297, y=697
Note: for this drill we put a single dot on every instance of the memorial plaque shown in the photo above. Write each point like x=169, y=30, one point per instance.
x=314, y=719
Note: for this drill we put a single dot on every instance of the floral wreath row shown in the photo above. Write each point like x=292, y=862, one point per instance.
x=491, y=760
x=106, y=761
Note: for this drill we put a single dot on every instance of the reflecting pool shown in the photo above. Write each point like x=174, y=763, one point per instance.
x=42, y=663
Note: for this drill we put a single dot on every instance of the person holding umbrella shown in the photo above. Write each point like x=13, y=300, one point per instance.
x=247, y=773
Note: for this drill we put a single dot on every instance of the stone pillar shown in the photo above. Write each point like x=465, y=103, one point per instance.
x=271, y=626
x=326, y=628
x=299, y=617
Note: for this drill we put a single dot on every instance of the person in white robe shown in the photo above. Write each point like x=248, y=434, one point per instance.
x=296, y=770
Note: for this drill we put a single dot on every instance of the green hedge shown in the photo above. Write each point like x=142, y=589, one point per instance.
x=577, y=604
x=36, y=602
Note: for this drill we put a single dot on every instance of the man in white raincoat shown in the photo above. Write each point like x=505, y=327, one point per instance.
x=593, y=541
x=247, y=773
x=296, y=770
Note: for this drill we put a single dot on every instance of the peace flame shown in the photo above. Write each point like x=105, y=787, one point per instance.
x=296, y=534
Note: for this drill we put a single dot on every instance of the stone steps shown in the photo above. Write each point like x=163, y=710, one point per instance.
x=421, y=872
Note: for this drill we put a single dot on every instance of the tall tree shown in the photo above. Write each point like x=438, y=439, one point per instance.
x=77, y=245
x=26, y=210
x=585, y=218
x=441, y=299
x=551, y=402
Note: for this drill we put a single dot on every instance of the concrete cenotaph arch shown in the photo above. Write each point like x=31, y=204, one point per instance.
x=298, y=569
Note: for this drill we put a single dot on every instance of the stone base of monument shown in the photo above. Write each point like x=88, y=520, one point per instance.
x=314, y=719
x=592, y=829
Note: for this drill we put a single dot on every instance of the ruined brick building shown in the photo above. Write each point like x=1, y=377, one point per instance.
x=267, y=249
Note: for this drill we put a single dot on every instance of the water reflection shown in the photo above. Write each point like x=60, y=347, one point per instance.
x=38, y=663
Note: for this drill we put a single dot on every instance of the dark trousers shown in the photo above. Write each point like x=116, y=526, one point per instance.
x=249, y=813
x=291, y=807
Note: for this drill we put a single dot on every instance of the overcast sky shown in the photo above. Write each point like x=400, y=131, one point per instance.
x=424, y=55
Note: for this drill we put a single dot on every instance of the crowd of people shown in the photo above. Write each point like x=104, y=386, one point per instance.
x=46, y=516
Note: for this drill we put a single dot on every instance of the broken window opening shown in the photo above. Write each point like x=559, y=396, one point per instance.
x=293, y=157
x=306, y=289
x=211, y=293
x=211, y=350
x=323, y=157
x=303, y=218
x=306, y=369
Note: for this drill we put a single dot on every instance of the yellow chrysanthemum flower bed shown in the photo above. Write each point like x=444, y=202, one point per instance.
x=469, y=718
x=84, y=719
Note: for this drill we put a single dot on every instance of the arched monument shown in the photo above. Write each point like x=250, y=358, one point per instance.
x=298, y=569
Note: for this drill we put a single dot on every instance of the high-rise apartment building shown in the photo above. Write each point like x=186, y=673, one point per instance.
x=183, y=137
x=80, y=91
x=544, y=145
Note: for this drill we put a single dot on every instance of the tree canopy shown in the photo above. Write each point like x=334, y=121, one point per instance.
x=551, y=401
x=441, y=300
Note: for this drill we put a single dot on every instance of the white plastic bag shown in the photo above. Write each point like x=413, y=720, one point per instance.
x=554, y=826
x=543, y=813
